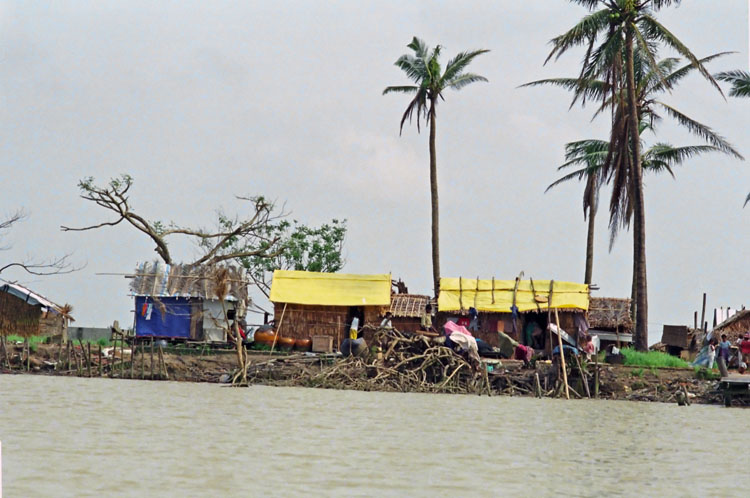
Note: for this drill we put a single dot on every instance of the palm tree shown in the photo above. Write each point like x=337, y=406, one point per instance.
x=430, y=81
x=589, y=158
x=740, y=81
x=610, y=33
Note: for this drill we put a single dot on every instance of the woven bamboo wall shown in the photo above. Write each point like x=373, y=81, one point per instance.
x=304, y=321
x=51, y=325
x=736, y=329
x=17, y=317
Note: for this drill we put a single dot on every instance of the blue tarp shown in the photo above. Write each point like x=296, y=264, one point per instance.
x=167, y=317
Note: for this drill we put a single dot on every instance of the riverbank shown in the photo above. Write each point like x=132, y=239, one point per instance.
x=401, y=373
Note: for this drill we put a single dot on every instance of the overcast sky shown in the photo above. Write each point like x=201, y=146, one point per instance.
x=199, y=101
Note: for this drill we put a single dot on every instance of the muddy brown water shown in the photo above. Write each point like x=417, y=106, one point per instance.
x=103, y=437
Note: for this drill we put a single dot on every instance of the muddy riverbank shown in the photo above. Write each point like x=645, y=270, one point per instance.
x=507, y=377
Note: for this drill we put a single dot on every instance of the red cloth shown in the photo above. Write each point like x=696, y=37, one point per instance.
x=745, y=346
x=464, y=322
x=523, y=353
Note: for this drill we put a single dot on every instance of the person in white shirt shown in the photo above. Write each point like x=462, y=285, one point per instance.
x=387, y=323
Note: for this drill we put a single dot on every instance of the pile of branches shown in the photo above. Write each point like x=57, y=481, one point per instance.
x=405, y=363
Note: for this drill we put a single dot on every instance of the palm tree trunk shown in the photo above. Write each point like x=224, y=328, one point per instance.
x=434, y=198
x=639, y=219
x=590, y=235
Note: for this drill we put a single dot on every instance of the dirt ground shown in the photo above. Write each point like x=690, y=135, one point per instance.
x=615, y=381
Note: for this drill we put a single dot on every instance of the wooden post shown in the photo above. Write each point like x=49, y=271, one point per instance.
x=538, y=385
x=152, y=358
x=596, y=375
x=67, y=353
x=562, y=355
x=122, y=355
x=101, y=360
x=703, y=311
x=584, y=377
x=88, y=362
x=695, y=320
x=132, y=358
x=143, y=362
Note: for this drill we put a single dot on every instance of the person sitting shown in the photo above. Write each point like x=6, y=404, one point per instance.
x=473, y=320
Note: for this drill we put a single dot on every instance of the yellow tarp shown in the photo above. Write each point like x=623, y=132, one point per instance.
x=454, y=295
x=330, y=289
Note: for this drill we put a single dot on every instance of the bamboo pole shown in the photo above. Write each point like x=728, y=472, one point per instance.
x=143, y=362
x=67, y=354
x=122, y=355
x=88, y=356
x=101, y=360
x=562, y=355
x=278, y=329
x=584, y=377
x=5, y=352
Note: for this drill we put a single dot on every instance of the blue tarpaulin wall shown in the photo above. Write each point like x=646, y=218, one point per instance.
x=151, y=322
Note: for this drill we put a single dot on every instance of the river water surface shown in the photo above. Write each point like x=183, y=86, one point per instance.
x=102, y=437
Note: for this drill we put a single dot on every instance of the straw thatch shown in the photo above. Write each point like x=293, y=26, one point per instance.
x=159, y=280
x=610, y=313
x=735, y=326
x=18, y=317
x=409, y=305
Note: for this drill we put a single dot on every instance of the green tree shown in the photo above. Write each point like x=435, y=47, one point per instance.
x=430, y=82
x=610, y=33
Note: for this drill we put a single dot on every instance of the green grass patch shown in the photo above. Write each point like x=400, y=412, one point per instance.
x=33, y=340
x=655, y=359
x=638, y=372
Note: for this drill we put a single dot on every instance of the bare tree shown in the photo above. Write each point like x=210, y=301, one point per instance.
x=54, y=266
x=114, y=197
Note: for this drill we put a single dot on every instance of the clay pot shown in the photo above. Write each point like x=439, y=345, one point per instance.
x=265, y=337
x=285, y=343
x=303, y=344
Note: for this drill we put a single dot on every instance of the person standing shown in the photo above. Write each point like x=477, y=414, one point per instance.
x=426, y=321
x=387, y=322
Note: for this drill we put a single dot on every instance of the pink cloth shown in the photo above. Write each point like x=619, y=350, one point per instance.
x=451, y=327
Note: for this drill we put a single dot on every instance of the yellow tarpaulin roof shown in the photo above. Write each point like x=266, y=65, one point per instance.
x=455, y=295
x=330, y=289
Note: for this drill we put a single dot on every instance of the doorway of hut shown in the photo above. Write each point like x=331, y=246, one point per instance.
x=532, y=330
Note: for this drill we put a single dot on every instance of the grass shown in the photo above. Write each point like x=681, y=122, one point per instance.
x=653, y=359
x=34, y=340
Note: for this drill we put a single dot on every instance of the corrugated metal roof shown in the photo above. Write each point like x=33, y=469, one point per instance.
x=29, y=296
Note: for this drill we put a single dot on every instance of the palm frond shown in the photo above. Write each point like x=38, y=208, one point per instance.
x=701, y=130
x=419, y=47
x=457, y=64
x=740, y=81
x=747, y=200
x=673, y=77
x=464, y=80
x=586, y=30
x=400, y=89
x=656, y=31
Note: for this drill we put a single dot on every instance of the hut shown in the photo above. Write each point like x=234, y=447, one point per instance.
x=734, y=327
x=521, y=309
x=183, y=302
x=25, y=313
x=310, y=304
x=407, y=310
x=609, y=319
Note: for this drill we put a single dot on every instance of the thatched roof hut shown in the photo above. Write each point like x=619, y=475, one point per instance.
x=735, y=326
x=26, y=313
x=408, y=309
x=186, y=301
x=610, y=313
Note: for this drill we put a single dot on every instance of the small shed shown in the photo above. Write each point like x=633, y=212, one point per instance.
x=26, y=313
x=609, y=319
x=314, y=303
x=407, y=310
x=518, y=308
x=182, y=302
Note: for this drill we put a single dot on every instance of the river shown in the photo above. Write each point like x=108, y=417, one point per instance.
x=103, y=437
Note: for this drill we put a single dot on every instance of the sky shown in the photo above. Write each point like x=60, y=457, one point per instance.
x=202, y=101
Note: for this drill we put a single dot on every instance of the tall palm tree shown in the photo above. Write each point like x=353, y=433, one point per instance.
x=430, y=81
x=589, y=158
x=740, y=81
x=610, y=33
